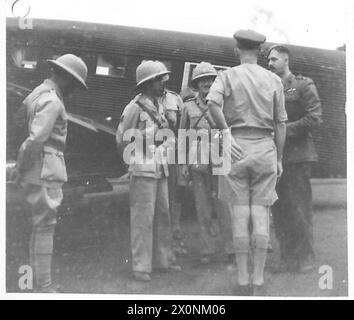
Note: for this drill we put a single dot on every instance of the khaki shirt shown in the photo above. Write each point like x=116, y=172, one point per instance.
x=173, y=105
x=251, y=97
x=40, y=157
x=134, y=117
x=192, y=112
x=192, y=118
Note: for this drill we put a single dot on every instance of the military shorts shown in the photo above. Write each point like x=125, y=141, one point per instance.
x=252, y=180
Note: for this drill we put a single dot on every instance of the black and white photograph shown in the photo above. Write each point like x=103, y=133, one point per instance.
x=175, y=148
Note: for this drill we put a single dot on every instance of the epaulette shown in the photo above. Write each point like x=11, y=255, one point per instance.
x=173, y=92
x=48, y=91
x=190, y=99
x=130, y=105
x=300, y=77
x=304, y=80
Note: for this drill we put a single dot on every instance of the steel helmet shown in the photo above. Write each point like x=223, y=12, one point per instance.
x=203, y=69
x=73, y=65
x=148, y=70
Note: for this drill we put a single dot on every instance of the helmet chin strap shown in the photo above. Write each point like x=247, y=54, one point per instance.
x=203, y=94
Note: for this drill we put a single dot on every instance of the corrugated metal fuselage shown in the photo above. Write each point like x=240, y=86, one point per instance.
x=108, y=94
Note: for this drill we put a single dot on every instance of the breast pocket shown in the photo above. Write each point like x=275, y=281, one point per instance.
x=294, y=109
x=53, y=168
x=291, y=95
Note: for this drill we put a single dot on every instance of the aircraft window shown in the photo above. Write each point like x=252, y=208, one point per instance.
x=25, y=57
x=111, y=65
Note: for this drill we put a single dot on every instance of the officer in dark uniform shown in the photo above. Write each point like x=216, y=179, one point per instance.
x=292, y=212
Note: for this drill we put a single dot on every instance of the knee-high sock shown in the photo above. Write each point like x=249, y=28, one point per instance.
x=240, y=218
x=242, y=252
x=41, y=251
x=259, y=244
x=260, y=240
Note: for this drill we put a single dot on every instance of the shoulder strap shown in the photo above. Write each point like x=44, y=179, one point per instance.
x=204, y=114
x=200, y=118
x=152, y=116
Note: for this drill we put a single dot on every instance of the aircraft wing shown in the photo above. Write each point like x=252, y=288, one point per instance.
x=90, y=124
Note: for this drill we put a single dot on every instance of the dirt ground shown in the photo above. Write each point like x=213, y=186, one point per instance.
x=96, y=259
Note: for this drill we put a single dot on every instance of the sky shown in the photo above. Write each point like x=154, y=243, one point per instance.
x=312, y=23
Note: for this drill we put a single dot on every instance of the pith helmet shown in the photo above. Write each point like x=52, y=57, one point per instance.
x=203, y=69
x=148, y=70
x=72, y=65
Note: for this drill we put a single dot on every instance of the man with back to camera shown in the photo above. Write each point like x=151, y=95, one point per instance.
x=253, y=112
x=292, y=212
